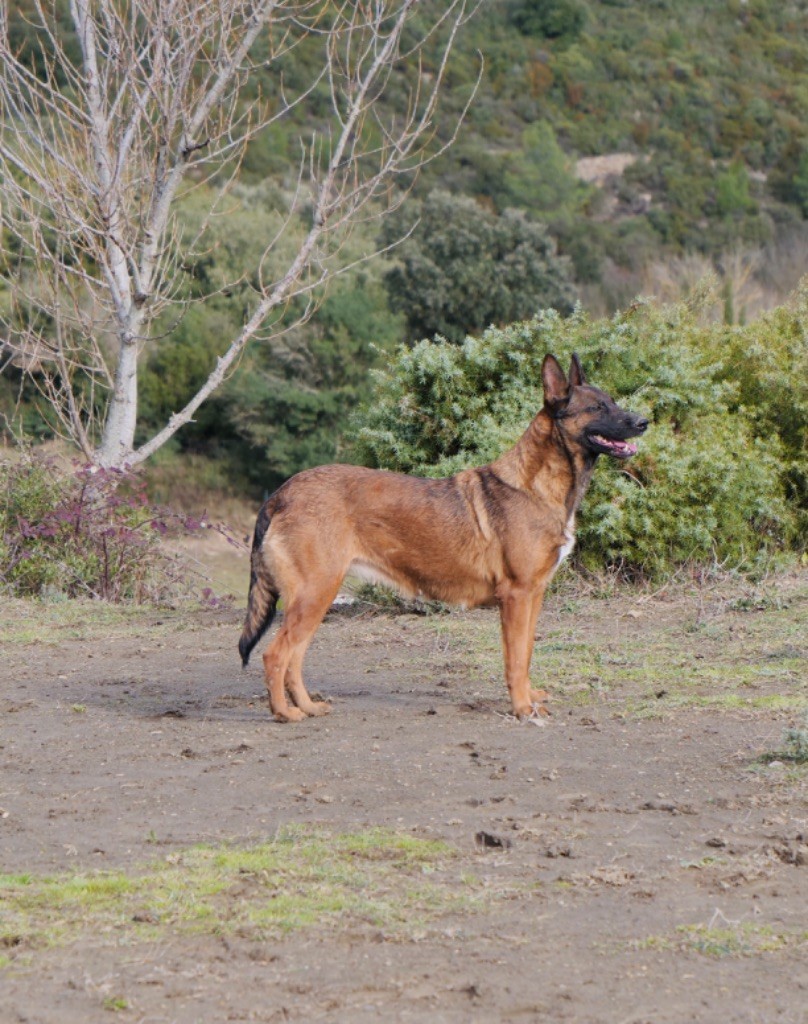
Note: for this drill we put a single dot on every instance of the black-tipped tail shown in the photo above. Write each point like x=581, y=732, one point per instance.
x=263, y=596
x=255, y=627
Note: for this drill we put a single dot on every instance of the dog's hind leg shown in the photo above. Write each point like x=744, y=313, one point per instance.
x=296, y=688
x=276, y=661
x=283, y=660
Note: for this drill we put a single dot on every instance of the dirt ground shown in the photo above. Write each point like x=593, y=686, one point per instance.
x=635, y=860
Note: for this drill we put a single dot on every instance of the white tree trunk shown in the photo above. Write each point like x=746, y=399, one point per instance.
x=94, y=155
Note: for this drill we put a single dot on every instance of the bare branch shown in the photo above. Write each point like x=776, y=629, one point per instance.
x=99, y=154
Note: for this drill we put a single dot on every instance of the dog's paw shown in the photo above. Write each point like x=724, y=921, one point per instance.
x=522, y=711
x=318, y=708
x=534, y=712
x=289, y=715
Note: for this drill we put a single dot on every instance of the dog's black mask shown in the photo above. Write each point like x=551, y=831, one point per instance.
x=609, y=431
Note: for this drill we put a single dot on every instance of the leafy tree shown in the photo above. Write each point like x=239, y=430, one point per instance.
x=550, y=18
x=286, y=408
x=541, y=177
x=732, y=191
x=767, y=362
x=463, y=268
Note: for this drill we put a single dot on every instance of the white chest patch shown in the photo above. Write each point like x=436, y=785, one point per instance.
x=569, y=542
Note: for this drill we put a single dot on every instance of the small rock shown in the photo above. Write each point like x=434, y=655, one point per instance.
x=793, y=853
x=489, y=841
x=145, y=917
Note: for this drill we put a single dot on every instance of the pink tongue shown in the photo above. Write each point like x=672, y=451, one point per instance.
x=619, y=446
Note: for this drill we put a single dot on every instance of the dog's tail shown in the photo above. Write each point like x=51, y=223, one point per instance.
x=263, y=596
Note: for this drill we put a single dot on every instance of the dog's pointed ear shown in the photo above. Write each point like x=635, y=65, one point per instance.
x=556, y=388
x=576, y=372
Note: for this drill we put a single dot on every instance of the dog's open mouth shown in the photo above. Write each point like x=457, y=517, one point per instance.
x=611, y=446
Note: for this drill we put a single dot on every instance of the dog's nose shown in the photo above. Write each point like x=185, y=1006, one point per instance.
x=642, y=423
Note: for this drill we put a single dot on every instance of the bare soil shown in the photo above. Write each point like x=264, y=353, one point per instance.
x=631, y=860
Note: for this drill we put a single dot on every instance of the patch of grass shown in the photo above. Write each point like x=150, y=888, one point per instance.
x=653, y=942
x=737, y=940
x=691, y=650
x=40, y=622
x=794, y=748
x=745, y=939
x=652, y=707
x=115, y=1004
x=758, y=599
x=299, y=880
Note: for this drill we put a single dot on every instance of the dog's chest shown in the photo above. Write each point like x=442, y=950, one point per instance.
x=569, y=541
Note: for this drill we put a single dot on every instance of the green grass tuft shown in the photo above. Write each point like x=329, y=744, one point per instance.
x=795, y=746
x=301, y=879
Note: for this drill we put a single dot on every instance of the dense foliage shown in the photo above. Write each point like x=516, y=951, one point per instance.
x=721, y=473
x=284, y=406
x=709, y=100
x=462, y=268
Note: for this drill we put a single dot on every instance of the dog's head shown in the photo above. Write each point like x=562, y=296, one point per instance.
x=586, y=414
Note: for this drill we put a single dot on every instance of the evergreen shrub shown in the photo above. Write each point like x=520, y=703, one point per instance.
x=716, y=474
x=767, y=360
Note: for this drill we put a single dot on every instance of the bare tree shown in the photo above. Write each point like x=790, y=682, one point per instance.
x=97, y=147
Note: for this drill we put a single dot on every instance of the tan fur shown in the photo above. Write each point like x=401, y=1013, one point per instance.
x=493, y=535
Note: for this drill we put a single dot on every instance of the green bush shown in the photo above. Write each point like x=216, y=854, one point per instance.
x=464, y=267
x=550, y=18
x=767, y=361
x=711, y=479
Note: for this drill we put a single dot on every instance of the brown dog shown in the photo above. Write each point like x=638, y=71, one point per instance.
x=491, y=535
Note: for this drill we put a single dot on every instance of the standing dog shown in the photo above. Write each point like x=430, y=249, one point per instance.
x=491, y=535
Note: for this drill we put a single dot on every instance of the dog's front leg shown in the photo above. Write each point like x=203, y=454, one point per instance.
x=537, y=697
x=516, y=610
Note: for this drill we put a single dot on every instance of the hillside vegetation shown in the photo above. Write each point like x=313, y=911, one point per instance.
x=702, y=112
